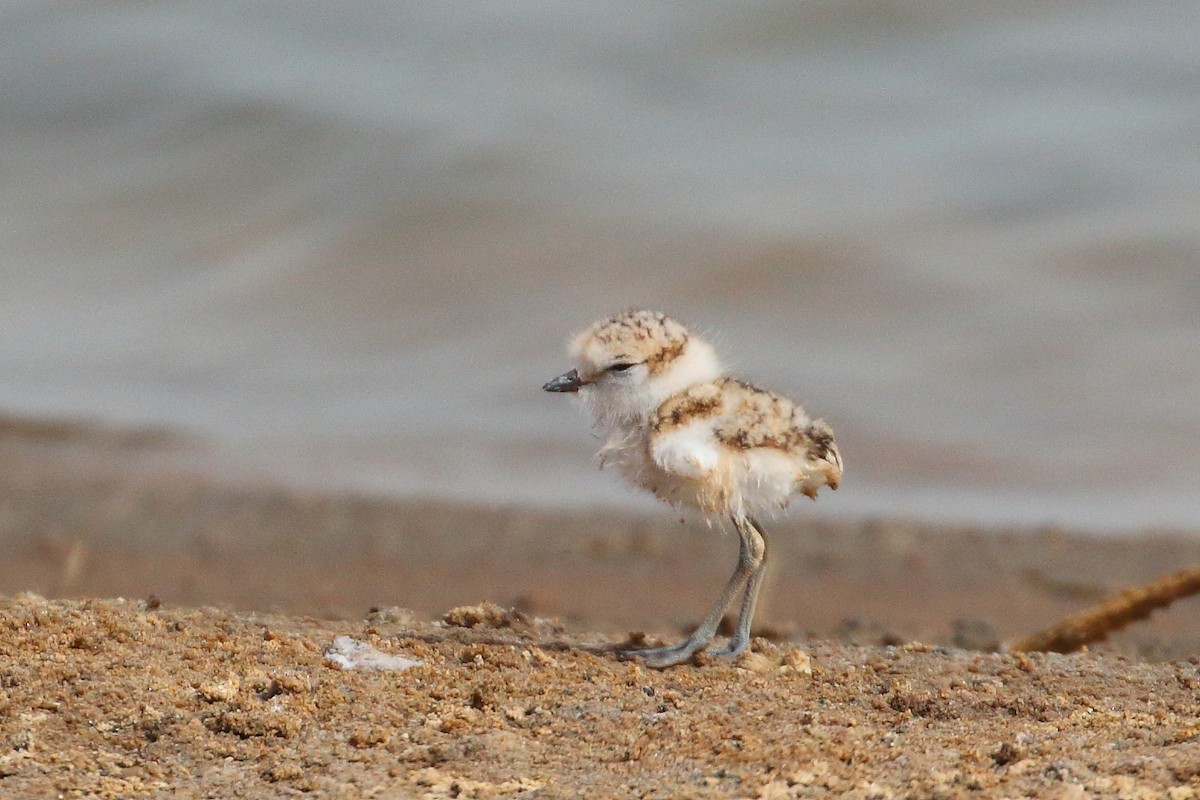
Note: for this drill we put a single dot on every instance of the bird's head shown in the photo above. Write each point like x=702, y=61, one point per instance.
x=626, y=365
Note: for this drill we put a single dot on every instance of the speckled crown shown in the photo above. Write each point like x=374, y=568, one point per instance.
x=636, y=336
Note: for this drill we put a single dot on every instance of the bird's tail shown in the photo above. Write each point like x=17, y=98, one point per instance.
x=823, y=450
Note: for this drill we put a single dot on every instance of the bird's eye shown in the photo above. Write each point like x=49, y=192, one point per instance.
x=620, y=367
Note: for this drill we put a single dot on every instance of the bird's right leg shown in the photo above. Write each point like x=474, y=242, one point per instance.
x=752, y=535
x=751, y=552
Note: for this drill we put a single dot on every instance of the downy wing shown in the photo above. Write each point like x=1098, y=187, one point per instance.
x=688, y=451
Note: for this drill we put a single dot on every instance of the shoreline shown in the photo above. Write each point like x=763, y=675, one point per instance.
x=872, y=674
x=86, y=514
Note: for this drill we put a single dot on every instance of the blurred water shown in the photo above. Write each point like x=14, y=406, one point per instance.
x=349, y=243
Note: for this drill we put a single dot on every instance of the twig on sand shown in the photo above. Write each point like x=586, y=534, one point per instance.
x=1096, y=623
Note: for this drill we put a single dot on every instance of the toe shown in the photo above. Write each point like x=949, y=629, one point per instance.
x=659, y=658
x=665, y=660
x=730, y=652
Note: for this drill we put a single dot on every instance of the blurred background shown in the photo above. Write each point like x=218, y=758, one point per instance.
x=341, y=247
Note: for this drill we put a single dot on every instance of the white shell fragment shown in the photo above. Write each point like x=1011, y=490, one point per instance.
x=350, y=653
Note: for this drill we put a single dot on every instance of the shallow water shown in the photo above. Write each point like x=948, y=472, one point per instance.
x=348, y=246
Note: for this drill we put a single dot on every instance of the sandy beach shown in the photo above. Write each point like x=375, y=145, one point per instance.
x=107, y=698
x=874, y=674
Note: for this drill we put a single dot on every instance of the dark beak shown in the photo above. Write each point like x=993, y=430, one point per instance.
x=564, y=383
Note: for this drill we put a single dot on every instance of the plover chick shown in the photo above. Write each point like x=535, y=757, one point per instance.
x=678, y=426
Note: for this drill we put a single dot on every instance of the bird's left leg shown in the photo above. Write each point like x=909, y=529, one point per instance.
x=751, y=533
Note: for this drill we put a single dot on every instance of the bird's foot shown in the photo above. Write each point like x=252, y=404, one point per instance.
x=662, y=657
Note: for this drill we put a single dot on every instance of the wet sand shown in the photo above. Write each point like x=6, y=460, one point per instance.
x=873, y=675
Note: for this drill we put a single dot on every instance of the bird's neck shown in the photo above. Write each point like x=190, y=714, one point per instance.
x=697, y=363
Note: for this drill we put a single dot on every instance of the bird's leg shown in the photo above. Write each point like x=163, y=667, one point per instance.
x=748, y=530
x=752, y=549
